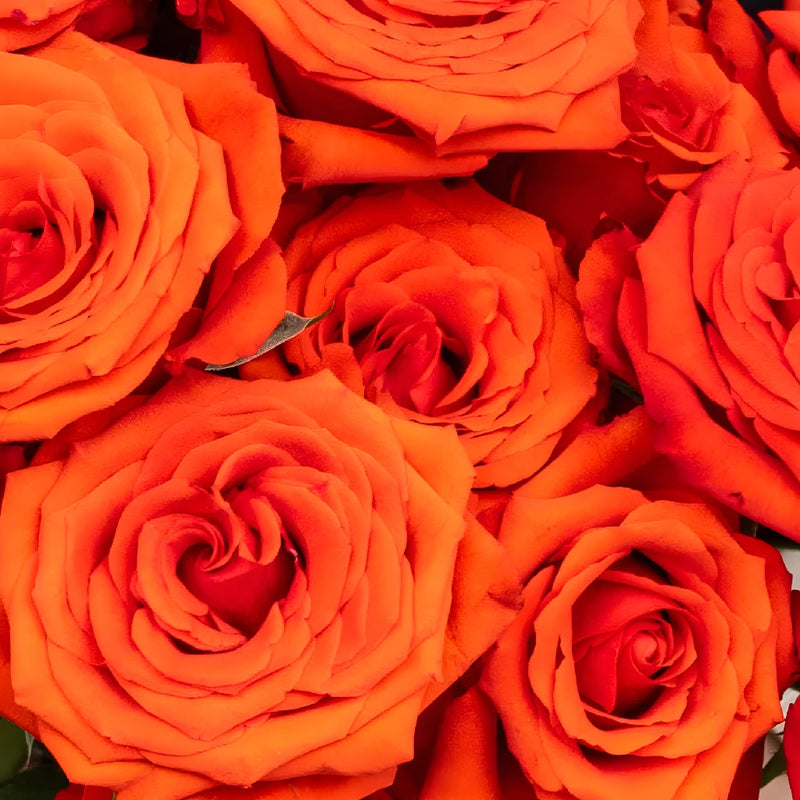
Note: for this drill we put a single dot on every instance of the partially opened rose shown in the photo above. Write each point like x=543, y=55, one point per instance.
x=650, y=653
x=126, y=186
x=685, y=104
x=463, y=77
x=703, y=315
x=244, y=583
x=447, y=307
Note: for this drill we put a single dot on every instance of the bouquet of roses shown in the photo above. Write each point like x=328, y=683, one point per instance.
x=399, y=400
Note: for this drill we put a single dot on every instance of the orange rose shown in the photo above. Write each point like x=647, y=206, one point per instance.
x=449, y=307
x=461, y=759
x=650, y=652
x=703, y=316
x=686, y=105
x=125, y=189
x=244, y=583
x=393, y=91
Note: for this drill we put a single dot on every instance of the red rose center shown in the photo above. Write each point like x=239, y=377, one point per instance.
x=629, y=641
x=31, y=252
x=239, y=590
x=664, y=109
x=407, y=356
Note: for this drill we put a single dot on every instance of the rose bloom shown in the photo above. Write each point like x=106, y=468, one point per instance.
x=243, y=584
x=703, y=316
x=125, y=191
x=687, y=102
x=390, y=91
x=447, y=307
x=648, y=658
x=650, y=652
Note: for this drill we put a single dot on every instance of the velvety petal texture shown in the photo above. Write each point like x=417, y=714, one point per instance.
x=245, y=583
x=448, y=307
x=464, y=77
x=650, y=653
x=123, y=190
x=687, y=103
x=707, y=324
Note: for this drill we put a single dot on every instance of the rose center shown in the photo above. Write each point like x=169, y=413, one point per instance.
x=31, y=252
x=629, y=642
x=407, y=356
x=644, y=649
x=666, y=110
x=240, y=591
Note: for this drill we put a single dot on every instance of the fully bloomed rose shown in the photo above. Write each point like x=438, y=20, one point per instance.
x=427, y=89
x=447, y=307
x=649, y=629
x=243, y=584
x=127, y=186
x=650, y=653
x=703, y=315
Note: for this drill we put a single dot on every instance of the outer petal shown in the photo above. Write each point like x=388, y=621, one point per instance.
x=690, y=438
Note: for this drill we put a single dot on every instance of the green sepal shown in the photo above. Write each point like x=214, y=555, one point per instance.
x=13, y=750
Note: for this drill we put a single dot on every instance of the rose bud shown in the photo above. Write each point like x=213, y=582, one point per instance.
x=686, y=103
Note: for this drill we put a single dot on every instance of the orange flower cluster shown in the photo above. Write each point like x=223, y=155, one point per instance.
x=488, y=500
